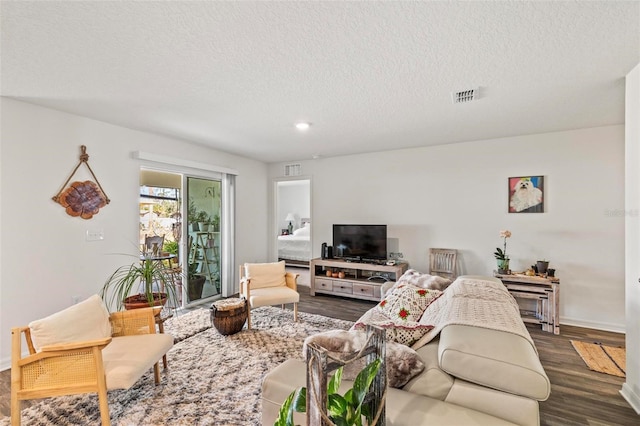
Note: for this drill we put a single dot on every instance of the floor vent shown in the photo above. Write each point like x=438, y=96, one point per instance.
x=292, y=169
x=464, y=96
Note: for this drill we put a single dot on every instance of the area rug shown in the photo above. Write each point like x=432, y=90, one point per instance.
x=212, y=379
x=601, y=358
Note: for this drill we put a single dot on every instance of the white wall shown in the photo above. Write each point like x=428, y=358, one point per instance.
x=455, y=196
x=45, y=258
x=631, y=387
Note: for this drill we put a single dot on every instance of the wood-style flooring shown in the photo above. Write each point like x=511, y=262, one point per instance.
x=579, y=396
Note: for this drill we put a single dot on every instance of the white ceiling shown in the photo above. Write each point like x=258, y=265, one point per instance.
x=369, y=76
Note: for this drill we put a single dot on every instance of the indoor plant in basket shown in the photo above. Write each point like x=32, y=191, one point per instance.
x=141, y=284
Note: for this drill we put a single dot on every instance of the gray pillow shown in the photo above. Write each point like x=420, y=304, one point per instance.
x=403, y=363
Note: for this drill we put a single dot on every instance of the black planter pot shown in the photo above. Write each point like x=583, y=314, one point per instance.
x=196, y=285
x=542, y=266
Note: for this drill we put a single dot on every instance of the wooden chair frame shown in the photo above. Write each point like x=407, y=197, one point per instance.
x=71, y=368
x=291, y=281
x=443, y=262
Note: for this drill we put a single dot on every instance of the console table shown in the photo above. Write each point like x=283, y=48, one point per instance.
x=361, y=280
x=544, y=291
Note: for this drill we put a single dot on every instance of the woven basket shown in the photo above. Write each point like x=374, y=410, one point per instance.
x=229, y=315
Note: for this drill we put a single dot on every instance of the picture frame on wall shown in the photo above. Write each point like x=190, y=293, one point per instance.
x=526, y=194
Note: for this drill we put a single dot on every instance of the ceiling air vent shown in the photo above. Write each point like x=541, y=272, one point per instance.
x=464, y=96
x=292, y=169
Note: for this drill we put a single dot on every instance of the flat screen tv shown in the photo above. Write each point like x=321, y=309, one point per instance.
x=361, y=243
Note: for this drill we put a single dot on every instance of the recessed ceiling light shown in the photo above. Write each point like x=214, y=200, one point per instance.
x=302, y=126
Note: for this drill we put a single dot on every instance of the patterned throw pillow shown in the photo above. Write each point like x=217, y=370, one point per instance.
x=406, y=302
x=401, y=331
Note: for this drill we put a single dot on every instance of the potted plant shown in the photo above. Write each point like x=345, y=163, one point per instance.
x=501, y=253
x=542, y=266
x=196, y=282
x=203, y=220
x=346, y=409
x=146, y=277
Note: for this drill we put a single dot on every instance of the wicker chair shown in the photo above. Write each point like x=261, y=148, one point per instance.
x=264, y=284
x=72, y=367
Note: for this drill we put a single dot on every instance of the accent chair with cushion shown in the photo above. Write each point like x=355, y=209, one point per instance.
x=266, y=284
x=84, y=349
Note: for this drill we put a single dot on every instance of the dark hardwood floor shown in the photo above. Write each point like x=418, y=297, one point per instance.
x=578, y=396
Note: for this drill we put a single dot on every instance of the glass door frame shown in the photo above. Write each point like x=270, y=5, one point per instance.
x=171, y=164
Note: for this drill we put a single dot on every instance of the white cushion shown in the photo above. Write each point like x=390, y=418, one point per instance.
x=273, y=296
x=127, y=358
x=265, y=274
x=87, y=320
x=303, y=231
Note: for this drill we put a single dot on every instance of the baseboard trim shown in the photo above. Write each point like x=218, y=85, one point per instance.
x=615, y=328
x=630, y=396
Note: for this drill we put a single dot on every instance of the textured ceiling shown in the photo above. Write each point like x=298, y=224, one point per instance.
x=369, y=76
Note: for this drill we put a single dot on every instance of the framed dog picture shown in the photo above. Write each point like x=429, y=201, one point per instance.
x=526, y=194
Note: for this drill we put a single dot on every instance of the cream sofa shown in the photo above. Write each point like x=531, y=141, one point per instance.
x=474, y=375
x=85, y=349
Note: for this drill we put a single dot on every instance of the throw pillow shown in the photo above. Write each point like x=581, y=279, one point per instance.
x=87, y=320
x=403, y=363
x=407, y=302
x=404, y=332
x=421, y=280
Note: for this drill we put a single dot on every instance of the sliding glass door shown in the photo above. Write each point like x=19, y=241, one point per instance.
x=204, y=259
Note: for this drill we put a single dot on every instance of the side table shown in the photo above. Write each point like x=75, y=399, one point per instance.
x=545, y=291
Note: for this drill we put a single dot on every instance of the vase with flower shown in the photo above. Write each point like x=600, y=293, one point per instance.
x=501, y=253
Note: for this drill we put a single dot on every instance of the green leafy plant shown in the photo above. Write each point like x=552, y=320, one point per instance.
x=139, y=278
x=171, y=247
x=343, y=410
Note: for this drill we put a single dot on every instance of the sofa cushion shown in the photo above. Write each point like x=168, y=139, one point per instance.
x=127, y=358
x=86, y=320
x=432, y=381
x=402, y=362
x=407, y=302
x=402, y=408
x=266, y=274
x=496, y=359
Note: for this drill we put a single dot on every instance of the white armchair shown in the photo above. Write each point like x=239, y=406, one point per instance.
x=265, y=284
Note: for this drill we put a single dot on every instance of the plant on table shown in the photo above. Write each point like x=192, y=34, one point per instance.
x=140, y=281
x=501, y=253
x=344, y=410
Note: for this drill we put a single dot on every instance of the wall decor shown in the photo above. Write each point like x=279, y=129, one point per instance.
x=526, y=194
x=83, y=199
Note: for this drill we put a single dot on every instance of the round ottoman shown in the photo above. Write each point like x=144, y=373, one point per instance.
x=229, y=315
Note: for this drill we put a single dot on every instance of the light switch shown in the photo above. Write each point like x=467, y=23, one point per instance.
x=95, y=235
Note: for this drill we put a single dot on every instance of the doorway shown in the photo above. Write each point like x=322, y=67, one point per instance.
x=293, y=222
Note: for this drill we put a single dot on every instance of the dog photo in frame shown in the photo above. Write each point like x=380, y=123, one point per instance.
x=526, y=194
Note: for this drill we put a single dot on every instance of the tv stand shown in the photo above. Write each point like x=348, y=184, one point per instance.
x=361, y=280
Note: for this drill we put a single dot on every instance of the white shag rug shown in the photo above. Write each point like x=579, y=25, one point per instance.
x=212, y=379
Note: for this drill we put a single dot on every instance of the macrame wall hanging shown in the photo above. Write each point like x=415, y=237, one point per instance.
x=82, y=199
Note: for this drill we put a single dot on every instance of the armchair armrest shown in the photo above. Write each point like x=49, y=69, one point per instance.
x=101, y=343
x=58, y=369
x=245, y=287
x=134, y=321
x=292, y=280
